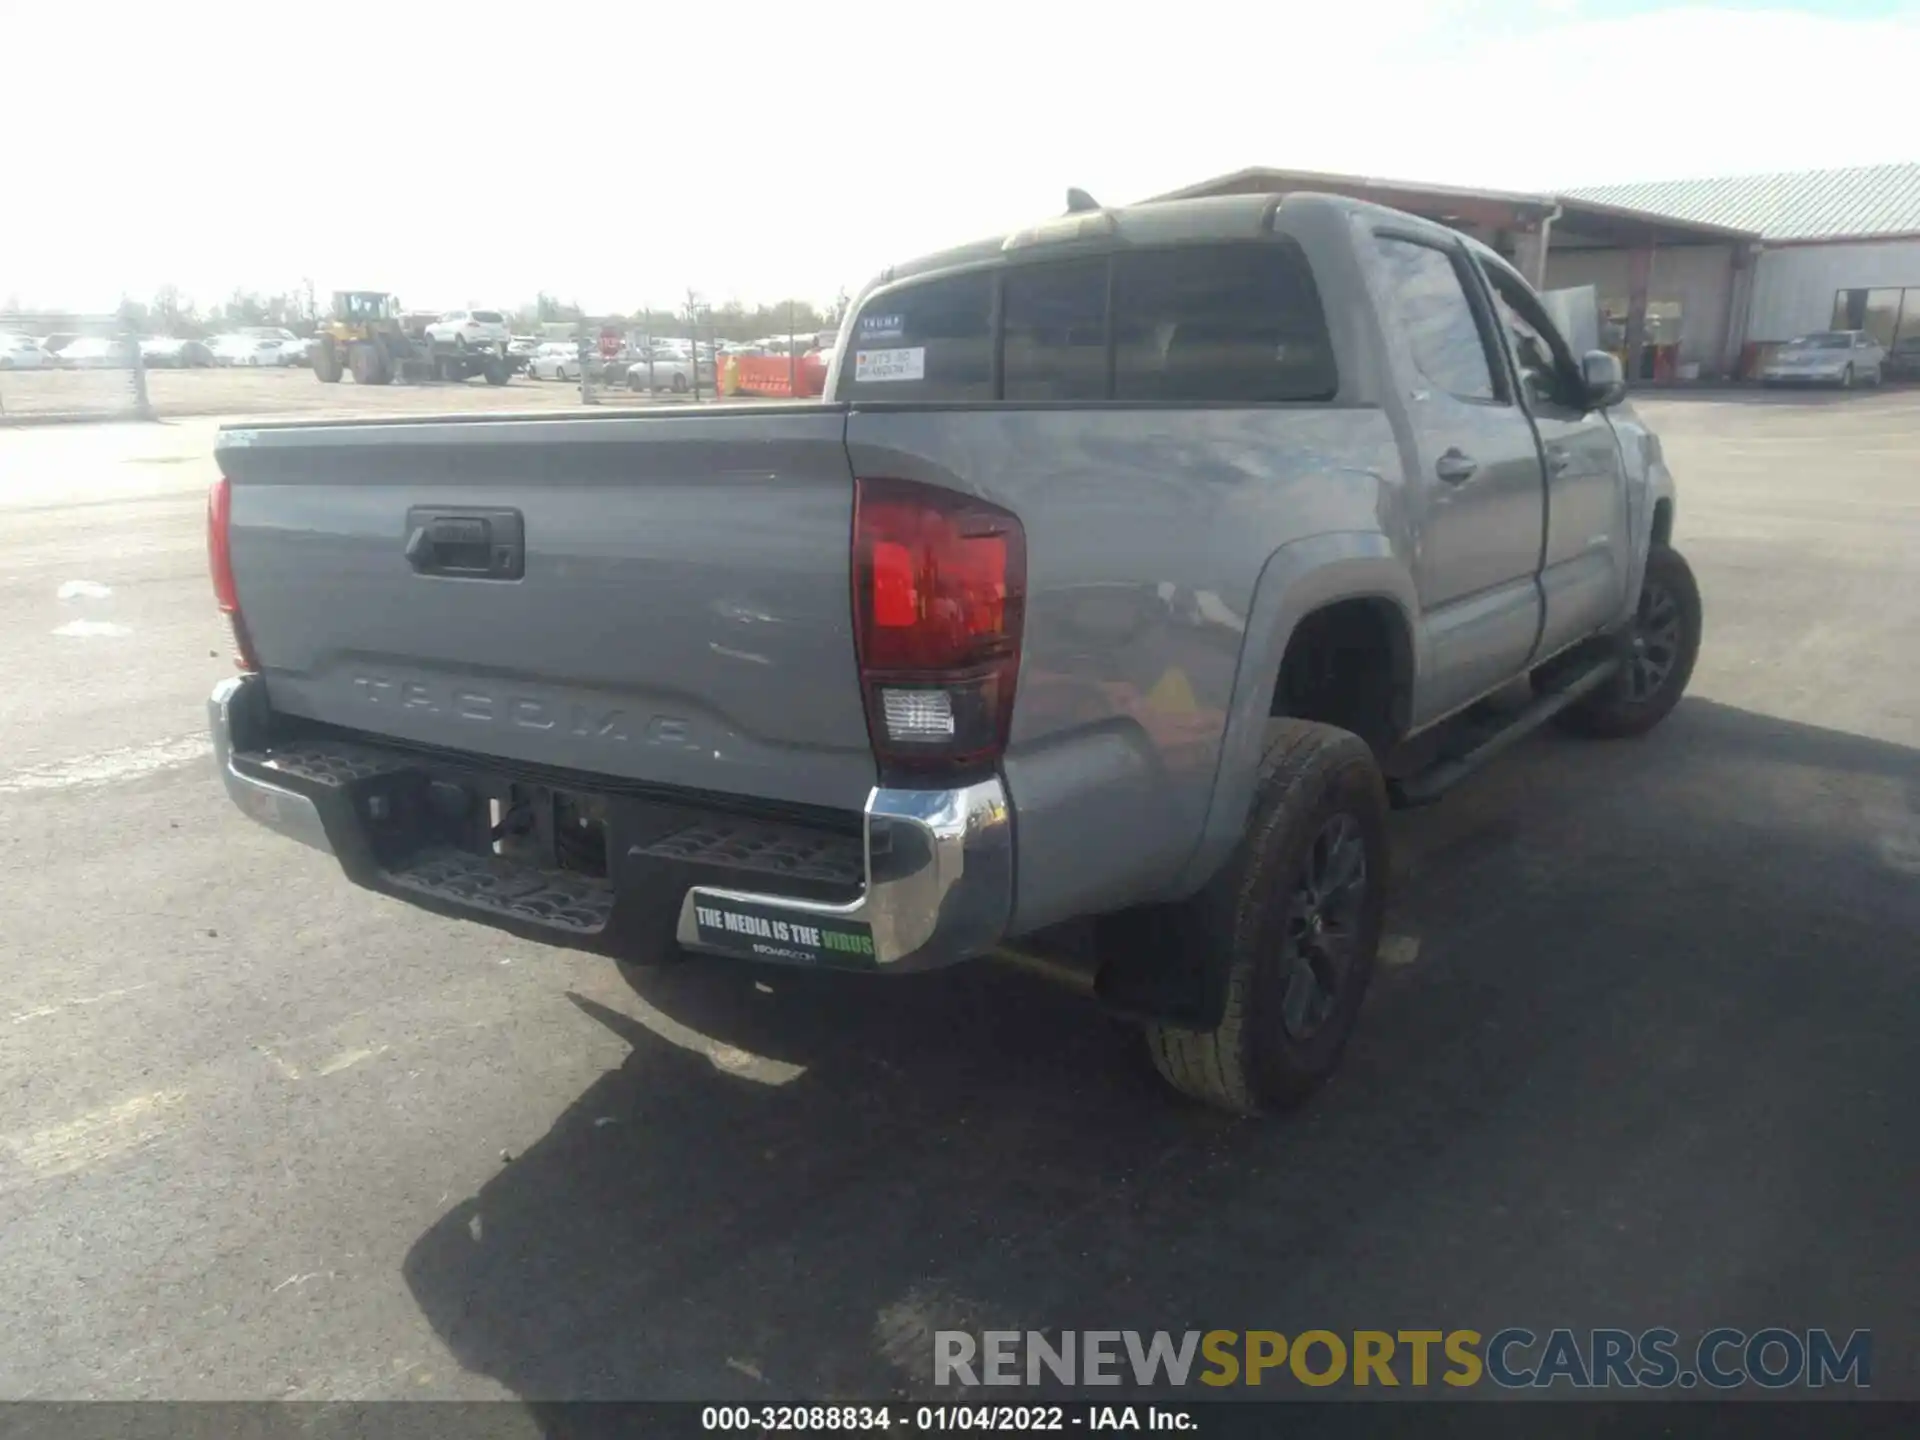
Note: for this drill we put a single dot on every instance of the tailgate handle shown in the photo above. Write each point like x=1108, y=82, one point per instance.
x=471, y=544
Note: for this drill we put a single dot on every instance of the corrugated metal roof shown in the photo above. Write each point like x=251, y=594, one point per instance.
x=1799, y=205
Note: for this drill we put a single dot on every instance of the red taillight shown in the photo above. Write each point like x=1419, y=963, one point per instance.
x=939, y=596
x=220, y=561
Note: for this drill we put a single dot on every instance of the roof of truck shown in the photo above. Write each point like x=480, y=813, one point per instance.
x=1215, y=217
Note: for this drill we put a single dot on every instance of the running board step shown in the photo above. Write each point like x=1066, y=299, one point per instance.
x=1430, y=784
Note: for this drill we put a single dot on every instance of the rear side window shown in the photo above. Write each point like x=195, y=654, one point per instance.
x=1223, y=323
x=487, y=317
x=1054, y=344
x=1433, y=309
x=1235, y=323
x=927, y=342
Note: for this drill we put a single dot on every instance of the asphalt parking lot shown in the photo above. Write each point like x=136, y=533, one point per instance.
x=1644, y=1055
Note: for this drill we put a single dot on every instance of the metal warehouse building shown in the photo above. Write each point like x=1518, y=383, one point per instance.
x=1694, y=278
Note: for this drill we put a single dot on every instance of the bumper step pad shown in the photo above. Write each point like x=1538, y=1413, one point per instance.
x=776, y=850
x=485, y=882
x=331, y=763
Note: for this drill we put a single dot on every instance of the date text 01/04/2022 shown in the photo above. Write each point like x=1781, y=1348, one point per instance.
x=981, y=1419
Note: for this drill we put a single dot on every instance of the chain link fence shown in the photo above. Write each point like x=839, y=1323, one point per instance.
x=70, y=367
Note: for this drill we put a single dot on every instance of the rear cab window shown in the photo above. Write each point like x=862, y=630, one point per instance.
x=930, y=341
x=1053, y=342
x=1233, y=322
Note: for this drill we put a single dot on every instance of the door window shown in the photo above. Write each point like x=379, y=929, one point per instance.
x=1542, y=360
x=1430, y=299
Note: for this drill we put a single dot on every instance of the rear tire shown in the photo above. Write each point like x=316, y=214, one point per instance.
x=1658, y=650
x=679, y=384
x=1294, y=918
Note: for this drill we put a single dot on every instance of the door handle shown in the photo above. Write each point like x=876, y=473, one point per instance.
x=1455, y=468
x=1559, y=461
x=475, y=544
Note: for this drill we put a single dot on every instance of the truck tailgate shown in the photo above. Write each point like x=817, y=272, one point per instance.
x=679, y=613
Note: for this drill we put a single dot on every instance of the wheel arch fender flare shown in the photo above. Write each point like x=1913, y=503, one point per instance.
x=1298, y=579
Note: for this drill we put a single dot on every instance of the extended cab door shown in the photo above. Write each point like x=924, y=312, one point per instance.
x=1477, y=488
x=1583, y=574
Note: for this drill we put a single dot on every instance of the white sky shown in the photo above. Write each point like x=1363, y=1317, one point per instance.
x=796, y=148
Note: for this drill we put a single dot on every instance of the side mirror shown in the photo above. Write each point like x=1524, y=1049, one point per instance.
x=1606, y=381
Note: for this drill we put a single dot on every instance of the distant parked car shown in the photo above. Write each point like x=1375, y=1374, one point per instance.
x=249, y=350
x=293, y=350
x=1904, y=359
x=1828, y=357
x=22, y=352
x=163, y=352
x=472, y=330
x=555, y=360
x=667, y=370
x=92, y=352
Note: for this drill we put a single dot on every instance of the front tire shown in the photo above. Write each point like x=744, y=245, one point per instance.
x=1294, y=917
x=1658, y=650
x=326, y=364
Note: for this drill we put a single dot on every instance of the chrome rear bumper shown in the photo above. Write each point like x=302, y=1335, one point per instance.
x=936, y=866
x=237, y=708
x=939, y=884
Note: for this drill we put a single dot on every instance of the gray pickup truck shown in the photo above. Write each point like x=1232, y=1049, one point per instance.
x=1135, y=566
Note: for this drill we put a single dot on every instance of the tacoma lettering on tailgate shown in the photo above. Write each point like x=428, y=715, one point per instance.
x=524, y=712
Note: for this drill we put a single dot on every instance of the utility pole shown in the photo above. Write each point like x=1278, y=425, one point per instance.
x=584, y=348
x=693, y=339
